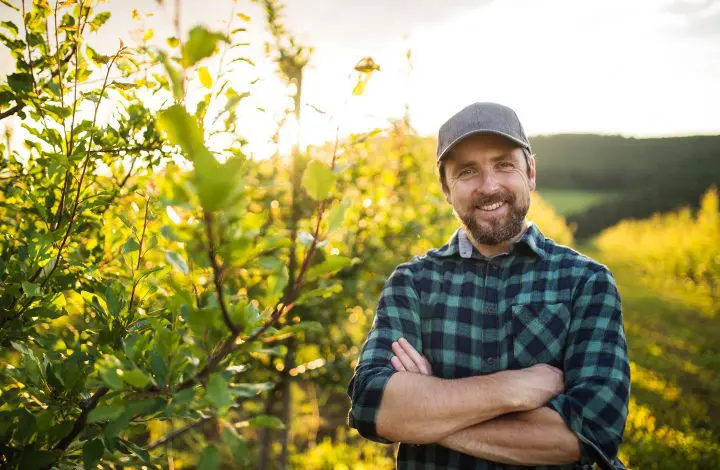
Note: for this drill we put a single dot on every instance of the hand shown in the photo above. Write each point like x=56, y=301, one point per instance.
x=407, y=359
x=538, y=384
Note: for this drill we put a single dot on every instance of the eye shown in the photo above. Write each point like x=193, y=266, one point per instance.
x=466, y=173
x=506, y=165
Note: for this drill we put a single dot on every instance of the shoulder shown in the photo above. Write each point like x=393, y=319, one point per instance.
x=579, y=264
x=588, y=278
x=422, y=271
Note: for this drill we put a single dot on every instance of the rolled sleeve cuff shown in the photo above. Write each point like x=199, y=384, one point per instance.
x=366, y=391
x=589, y=450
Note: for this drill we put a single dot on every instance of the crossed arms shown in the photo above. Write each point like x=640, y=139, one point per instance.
x=533, y=416
x=495, y=417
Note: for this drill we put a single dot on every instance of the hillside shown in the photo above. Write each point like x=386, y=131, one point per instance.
x=645, y=176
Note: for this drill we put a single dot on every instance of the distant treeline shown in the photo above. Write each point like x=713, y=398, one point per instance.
x=654, y=175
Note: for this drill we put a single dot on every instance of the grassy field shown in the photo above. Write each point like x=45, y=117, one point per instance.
x=571, y=201
x=674, y=417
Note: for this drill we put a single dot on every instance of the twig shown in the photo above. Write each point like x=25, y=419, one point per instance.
x=218, y=274
x=140, y=254
x=11, y=111
x=179, y=432
x=81, y=420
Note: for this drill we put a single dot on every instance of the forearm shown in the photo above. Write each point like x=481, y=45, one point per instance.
x=537, y=437
x=422, y=409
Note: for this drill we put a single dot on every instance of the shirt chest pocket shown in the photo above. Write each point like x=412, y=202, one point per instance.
x=538, y=334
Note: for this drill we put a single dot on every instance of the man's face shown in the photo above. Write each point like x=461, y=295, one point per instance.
x=488, y=185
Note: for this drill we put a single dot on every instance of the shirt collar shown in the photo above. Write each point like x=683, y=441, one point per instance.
x=460, y=244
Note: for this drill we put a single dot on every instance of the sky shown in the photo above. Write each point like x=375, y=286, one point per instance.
x=637, y=68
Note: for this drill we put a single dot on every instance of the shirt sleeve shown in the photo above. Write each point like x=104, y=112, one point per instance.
x=397, y=316
x=597, y=372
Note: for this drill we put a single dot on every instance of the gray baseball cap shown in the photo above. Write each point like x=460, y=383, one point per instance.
x=481, y=118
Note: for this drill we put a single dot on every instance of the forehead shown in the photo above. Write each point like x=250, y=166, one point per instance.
x=483, y=147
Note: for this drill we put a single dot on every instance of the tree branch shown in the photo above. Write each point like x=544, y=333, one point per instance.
x=218, y=274
x=79, y=424
x=179, y=432
x=11, y=111
x=140, y=254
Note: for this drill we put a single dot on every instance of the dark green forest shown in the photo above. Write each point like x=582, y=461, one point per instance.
x=649, y=175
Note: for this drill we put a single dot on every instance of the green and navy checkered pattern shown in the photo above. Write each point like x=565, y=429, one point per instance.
x=469, y=315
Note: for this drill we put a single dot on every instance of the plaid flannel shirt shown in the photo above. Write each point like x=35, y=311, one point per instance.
x=470, y=315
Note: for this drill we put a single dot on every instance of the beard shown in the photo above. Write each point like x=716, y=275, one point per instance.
x=501, y=228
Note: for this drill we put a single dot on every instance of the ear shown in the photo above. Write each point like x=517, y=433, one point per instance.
x=531, y=173
x=446, y=192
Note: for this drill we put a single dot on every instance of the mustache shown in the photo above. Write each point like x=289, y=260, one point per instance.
x=485, y=199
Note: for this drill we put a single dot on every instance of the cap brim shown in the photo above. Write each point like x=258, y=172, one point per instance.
x=480, y=131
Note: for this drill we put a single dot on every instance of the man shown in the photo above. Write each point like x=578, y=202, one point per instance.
x=501, y=348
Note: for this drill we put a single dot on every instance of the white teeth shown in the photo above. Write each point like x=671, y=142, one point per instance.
x=491, y=207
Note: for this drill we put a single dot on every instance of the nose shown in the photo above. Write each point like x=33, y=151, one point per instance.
x=488, y=183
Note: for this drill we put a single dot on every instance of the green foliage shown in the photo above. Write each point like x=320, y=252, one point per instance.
x=142, y=295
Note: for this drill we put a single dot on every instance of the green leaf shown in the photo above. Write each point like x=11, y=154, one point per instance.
x=116, y=426
x=182, y=130
x=145, y=407
x=31, y=289
x=200, y=44
x=58, y=111
x=183, y=397
x=19, y=347
x=210, y=459
x=20, y=82
x=305, y=326
x=99, y=20
x=130, y=245
x=251, y=390
x=138, y=451
x=331, y=265
x=323, y=292
x=10, y=26
x=135, y=377
x=27, y=426
x=217, y=185
x=217, y=391
x=266, y=421
x=275, y=286
x=177, y=261
x=205, y=78
x=107, y=369
x=337, y=216
x=105, y=413
x=238, y=445
x=97, y=59
x=159, y=368
x=176, y=79
x=318, y=180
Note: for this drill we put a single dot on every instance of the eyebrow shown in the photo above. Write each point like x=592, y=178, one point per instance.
x=504, y=156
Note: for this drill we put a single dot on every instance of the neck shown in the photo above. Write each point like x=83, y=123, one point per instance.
x=493, y=250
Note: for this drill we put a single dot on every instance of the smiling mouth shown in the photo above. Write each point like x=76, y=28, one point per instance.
x=491, y=207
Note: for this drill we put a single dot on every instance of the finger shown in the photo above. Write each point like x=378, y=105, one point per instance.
x=422, y=363
x=397, y=364
x=428, y=366
x=404, y=358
